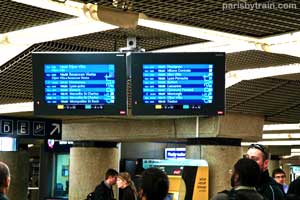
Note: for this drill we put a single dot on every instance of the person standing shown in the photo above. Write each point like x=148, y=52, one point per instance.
x=266, y=186
x=155, y=184
x=294, y=190
x=104, y=190
x=245, y=177
x=279, y=176
x=4, y=181
x=127, y=190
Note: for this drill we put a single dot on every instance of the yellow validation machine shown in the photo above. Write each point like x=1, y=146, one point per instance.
x=188, y=177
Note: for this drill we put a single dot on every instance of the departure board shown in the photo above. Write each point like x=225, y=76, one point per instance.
x=177, y=86
x=79, y=83
x=80, y=86
x=178, y=83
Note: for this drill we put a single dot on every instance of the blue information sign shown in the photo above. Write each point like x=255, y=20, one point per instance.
x=30, y=128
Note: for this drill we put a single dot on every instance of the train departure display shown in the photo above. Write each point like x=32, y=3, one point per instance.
x=178, y=83
x=83, y=84
x=77, y=85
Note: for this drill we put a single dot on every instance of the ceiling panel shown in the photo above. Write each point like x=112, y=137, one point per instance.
x=257, y=59
x=278, y=100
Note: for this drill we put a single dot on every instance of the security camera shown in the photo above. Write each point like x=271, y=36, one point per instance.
x=131, y=42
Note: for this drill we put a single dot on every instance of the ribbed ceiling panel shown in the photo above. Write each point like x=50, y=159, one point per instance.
x=278, y=100
x=257, y=59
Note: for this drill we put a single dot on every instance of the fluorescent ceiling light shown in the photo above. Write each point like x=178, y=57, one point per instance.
x=279, y=127
x=7, y=52
x=212, y=47
x=67, y=7
x=16, y=107
x=290, y=48
x=234, y=77
x=295, y=150
x=281, y=136
x=274, y=143
x=281, y=39
x=55, y=31
x=295, y=154
x=193, y=31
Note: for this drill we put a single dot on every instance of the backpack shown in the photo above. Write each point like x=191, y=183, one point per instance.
x=91, y=196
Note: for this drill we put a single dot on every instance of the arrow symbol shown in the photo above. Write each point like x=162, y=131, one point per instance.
x=56, y=128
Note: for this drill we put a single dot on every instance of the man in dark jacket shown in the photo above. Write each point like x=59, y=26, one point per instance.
x=294, y=189
x=104, y=190
x=267, y=186
x=245, y=177
x=4, y=181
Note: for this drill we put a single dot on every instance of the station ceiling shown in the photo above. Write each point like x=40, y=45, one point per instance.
x=276, y=98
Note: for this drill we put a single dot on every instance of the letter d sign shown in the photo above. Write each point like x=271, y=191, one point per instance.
x=7, y=127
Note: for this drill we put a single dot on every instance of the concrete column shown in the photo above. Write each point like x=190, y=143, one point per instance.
x=87, y=168
x=221, y=159
x=273, y=164
x=18, y=163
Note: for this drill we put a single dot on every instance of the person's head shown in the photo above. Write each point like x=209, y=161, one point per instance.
x=246, y=172
x=4, y=177
x=155, y=184
x=259, y=154
x=111, y=176
x=124, y=179
x=279, y=176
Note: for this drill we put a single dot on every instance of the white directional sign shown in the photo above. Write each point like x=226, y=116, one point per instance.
x=56, y=128
x=30, y=128
x=23, y=127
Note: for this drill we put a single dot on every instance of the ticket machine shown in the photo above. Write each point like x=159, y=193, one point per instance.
x=188, y=177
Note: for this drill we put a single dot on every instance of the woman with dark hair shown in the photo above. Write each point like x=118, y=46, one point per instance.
x=127, y=190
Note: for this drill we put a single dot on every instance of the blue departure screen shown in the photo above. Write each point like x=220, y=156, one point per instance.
x=79, y=86
x=178, y=86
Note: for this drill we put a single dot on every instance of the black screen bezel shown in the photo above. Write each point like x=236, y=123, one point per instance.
x=40, y=59
x=215, y=58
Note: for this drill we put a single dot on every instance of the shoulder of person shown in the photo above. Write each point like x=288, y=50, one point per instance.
x=221, y=195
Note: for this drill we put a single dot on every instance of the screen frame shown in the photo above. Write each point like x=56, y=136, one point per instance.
x=39, y=59
x=217, y=107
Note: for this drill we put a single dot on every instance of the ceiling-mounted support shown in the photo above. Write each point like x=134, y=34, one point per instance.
x=117, y=17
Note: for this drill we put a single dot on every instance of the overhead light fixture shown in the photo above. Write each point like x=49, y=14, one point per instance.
x=280, y=127
x=281, y=136
x=274, y=143
x=212, y=47
x=195, y=32
x=10, y=51
x=62, y=6
x=55, y=31
x=293, y=150
x=234, y=77
x=282, y=39
x=16, y=107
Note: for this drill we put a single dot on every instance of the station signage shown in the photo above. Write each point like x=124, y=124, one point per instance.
x=175, y=153
x=37, y=128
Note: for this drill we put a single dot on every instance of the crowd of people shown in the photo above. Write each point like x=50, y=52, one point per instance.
x=250, y=180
